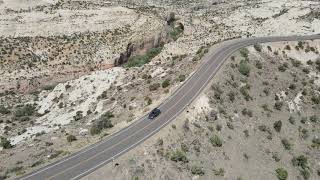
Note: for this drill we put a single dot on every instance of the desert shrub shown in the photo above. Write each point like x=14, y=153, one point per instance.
x=314, y=118
x=247, y=112
x=216, y=141
x=288, y=47
x=244, y=52
x=219, y=172
x=286, y=144
x=296, y=63
x=182, y=78
x=197, y=170
x=302, y=163
x=306, y=70
x=300, y=44
x=257, y=47
x=277, y=126
x=315, y=99
x=276, y=157
x=230, y=125
x=4, y=110
x=165, y=83
x=244, y=68
x=154, y=87
x=104, y=122
x=282, y=174
x=60, y=105
x=283, y=67
x=71, y=138
x=246, y=133
x=26, y=110
x=278, y=105
x=292, y=86
x=304, y=133
x=258, y=64
x=245, y=92
x=78, y=116
x=5, y=143
x=292, y=120
x=231, y=96
x=316, y=142
x=184, y=147
x=148, y=100
x=176, y=32
x=49, y=87
x=179, y=156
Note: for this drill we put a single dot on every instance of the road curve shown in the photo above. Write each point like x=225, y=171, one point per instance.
x=95, y=156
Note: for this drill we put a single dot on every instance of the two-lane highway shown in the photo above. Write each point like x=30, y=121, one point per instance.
x=97, y=155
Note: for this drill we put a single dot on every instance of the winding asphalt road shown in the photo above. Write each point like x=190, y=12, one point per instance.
x=93, y=157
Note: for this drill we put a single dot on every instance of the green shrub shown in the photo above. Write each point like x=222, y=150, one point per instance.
x=245, y=92
x=71, y=138
x=244, y=52
x=216, y=141
x=277, y=126
x=179, y=156
x=282, y=174
x=166, y=83
x=244, y=68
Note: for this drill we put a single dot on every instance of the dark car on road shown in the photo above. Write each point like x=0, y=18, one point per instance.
x=154, y=113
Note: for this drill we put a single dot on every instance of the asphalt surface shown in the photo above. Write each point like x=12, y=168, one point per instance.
x=95, y=156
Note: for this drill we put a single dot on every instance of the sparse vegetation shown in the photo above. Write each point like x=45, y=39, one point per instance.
x=179, y=156
x=139, y=60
